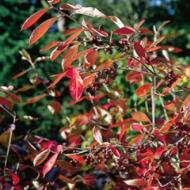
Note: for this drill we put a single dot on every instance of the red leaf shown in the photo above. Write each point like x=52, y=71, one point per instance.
x=143, y=90
x=124, y=31
x=58, y=77
x=54, y=107
x=139, y=49
x=76, y=83
x=49, y=164
x=35, y=99
x=41, y=30
x=34, y=18
x=137, y=127
x=91, y=57
x=69, y=57
x=134, y=76
x=97, y=135
x=88, y=80
x=14, y=97
x=5, y=102
x=49, y=46
x=70, y=39
x=159, y=152
x=115, y=151
x=89, y=180
x=70, y=31
x=77, y=158
x=55, y=54
x=140, y=116
x=15, y=179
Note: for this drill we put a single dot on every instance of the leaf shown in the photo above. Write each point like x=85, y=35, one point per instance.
x=5, y=102
x=21, y=74
x=34, y=18
x=135, y=182
x=49, y=46
x=88, y=80
x=41, y=30
x=15, y=179
x=55, y=54
x=76, y=158
x=186, y=102
x=139, y=49
x=91, y=57
x=35, y=99
x=76, y=83
x=58, y=77
x=54, y=1
x=13, y=97
x=78, y=9
x=134, y=76
x=97, y=135
x=69, y=57
x=4, y=138
x=124, y=31
x=70, y=31
x=70, y=39
x=54, y=107
x=143, y=90
x=115, y=151
x=137, y=127
x=41, y=157
x=138, y=25
x=160, y=39
x=116, y=20
x=140, y=116
x=49, y=164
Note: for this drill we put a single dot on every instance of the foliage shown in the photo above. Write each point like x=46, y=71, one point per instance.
x=119, y=141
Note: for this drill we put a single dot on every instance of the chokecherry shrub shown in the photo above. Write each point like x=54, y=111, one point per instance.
x=120, y=141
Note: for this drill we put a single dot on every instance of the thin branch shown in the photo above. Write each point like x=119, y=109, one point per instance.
x=153, y=100
x=165, y=112
x=11, y=129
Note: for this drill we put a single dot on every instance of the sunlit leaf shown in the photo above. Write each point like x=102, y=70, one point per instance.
x=143, y=90
x=34, y=18
x=97, y=135
x=140, y=116
x=41, y=30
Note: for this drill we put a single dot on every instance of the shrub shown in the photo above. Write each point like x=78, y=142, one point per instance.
x=119, y=141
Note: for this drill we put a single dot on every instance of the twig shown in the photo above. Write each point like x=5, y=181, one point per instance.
x=153, y=100
x=11, y=129
x=165, y=112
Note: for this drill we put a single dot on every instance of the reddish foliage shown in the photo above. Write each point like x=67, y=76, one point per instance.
x=120, y=142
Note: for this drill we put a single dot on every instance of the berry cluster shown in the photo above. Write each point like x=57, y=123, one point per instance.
x=103, y=77
x=98, y=155
x=171, y=78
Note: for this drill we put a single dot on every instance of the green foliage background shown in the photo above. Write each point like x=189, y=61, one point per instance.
x=14, y=12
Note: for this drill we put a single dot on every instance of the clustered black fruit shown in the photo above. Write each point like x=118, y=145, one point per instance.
x=98, y=155
x=103, y=155
x=103, y=77
x=171, y=78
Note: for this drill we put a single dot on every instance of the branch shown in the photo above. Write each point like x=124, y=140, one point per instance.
x=153, y=100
